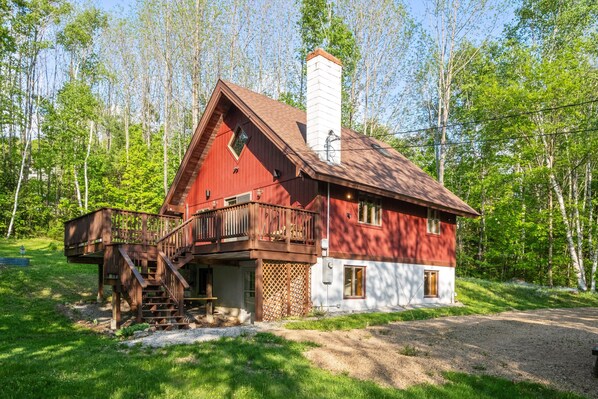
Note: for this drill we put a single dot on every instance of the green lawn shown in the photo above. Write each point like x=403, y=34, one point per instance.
x=43, y=354
x=478, y=296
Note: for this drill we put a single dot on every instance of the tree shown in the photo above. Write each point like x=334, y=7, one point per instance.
x=321, y=27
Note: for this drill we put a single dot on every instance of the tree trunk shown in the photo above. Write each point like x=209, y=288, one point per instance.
x=127, y=111
x=577, y=266
x=86, y=180
x=77, y=188
x=167, y=99
x=21, y=174
x=550, y=236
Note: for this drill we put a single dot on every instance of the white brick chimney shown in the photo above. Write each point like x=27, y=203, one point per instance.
x=324, y=105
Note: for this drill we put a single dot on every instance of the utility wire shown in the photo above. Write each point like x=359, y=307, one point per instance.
x=466, y=142
x=494, y=119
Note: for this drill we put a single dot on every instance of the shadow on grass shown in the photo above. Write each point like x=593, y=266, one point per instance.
x=42, y=354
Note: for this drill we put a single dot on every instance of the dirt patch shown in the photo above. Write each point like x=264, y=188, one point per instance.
x=551, y=346
x=97, y=316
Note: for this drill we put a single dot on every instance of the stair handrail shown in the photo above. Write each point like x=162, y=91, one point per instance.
x=173, y=281
x=175, y=230
x=175, y=240
x=135, y=287
x=131, y=265
x=174, y=270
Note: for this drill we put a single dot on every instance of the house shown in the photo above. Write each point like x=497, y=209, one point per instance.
x=274, y=211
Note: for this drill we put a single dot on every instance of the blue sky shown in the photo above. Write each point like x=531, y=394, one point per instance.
x=417, y=8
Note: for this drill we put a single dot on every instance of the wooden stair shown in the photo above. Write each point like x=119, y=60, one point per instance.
x=158, y=308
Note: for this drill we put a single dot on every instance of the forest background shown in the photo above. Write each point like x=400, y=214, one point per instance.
x=496, y=99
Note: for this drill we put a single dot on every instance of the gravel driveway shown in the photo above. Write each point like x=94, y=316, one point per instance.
x=549, y=346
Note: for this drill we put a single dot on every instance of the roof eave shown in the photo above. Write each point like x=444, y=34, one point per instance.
x=470, y=212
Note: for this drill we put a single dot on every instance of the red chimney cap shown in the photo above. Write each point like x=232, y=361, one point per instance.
x=324, y=54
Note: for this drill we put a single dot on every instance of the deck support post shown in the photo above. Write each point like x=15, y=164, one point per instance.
x=259, y=289
x=100, y=297
x=115, y=322
x=209, y=294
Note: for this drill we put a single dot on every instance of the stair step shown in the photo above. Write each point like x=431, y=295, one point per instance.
x=167, y=327
x=159, y=303
x=156, y=318
x=159, y=313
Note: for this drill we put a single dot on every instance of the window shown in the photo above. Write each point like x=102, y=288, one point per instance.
x=370, y=211
x=354, y=282
x=249, y=290
x=433, y=221
x=238, y=199
x=238, y=141
x=430, y=284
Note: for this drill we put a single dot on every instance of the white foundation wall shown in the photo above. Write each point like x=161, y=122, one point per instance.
x=386, y=284
x=228, y=286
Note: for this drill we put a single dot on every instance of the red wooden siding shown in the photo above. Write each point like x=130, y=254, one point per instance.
x=255, y=167
x=402, y=237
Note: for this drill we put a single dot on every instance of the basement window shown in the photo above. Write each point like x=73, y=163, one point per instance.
x=370, y=211
x=430, y=284
x=433, y=221
x=354, y=287
x=238, y=142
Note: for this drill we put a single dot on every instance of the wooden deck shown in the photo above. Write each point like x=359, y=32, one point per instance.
x=139, y=254
x=245, y=231
x=87, y=236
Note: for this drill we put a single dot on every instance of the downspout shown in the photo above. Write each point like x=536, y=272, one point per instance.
x=328, y=217
x=327, y=233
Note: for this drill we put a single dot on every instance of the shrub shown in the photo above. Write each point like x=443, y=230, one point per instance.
x=126, y=332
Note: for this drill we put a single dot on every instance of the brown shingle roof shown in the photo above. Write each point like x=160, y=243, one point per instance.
x=360, y=165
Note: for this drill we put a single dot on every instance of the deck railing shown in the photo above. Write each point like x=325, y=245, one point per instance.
x=256, y=222
x=108, y=225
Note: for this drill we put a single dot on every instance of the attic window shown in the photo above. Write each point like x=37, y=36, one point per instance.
x=382, y=150
x=238, y=141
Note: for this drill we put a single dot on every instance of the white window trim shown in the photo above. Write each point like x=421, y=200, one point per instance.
x=435, y=220
x=437, y=283
x=236, y=197
x=367, y=198
x=364, y=282
x=230, y=142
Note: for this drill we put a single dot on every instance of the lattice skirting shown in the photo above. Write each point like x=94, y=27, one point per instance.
x=287, y=289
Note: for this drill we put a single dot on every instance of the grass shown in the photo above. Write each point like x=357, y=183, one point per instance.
x=478, y=296
x=43, y=354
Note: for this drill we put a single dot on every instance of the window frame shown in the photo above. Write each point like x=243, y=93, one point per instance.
x=236, y=133
x=433, y=223
x=427, y=284
x=354, y=269
x=373, y=207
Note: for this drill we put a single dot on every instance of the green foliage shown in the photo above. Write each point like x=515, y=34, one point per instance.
x=477, y=296
x=128, y=331
x=43, y=351
x=319, y=26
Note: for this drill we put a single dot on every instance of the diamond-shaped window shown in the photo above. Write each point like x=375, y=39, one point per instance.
x=238, y=141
